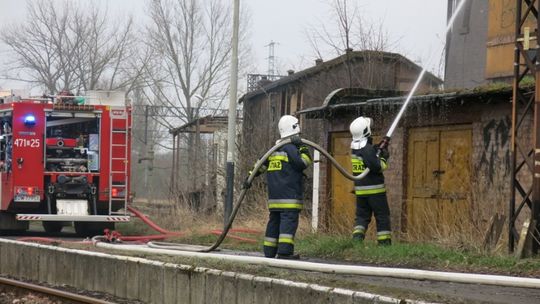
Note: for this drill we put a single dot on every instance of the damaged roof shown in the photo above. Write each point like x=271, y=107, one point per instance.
x=206, y=124
x=353, y=97
x=332, y=63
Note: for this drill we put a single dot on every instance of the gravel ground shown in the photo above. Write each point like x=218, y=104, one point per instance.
x=14, y=295
x=10, y=295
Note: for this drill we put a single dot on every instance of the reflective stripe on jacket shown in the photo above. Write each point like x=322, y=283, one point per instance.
x=285, y=179
x=373, y=183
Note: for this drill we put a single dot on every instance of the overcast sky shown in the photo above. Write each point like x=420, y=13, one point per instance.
x=416, y=26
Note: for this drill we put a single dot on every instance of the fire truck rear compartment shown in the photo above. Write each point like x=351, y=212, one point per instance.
x=72, y=143
x=69, y=163
x=72, y=146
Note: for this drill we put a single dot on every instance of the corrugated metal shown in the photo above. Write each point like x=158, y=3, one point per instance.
x=500, y=43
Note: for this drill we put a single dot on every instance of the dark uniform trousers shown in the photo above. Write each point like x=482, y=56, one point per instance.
x=371, y=193
x=285, y=192
x=366, y=206
x=280, y=231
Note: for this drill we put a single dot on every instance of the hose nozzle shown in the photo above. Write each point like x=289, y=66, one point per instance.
x=384, y=143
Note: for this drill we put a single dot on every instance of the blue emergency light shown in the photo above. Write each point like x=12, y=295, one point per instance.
x=30, y=120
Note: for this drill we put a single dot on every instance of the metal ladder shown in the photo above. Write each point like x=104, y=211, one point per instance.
x=123, y=161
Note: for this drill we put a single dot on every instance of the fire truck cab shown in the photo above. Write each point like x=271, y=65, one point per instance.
x=65, y=159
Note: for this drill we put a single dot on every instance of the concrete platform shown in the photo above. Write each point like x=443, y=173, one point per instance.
x=157, y=282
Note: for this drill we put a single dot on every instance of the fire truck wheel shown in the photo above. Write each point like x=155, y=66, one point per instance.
x=88, y=229
x=52, y=227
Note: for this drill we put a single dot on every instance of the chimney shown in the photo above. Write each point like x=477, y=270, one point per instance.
x=318, y=61
x=263, y=81
x=290, y=72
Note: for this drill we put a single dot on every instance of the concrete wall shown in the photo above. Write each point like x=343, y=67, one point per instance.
x=466, y=47
x=157, y=282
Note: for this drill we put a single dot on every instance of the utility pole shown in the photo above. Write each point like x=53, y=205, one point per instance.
x=231, y=132
x=271, y=59
x=146, y=146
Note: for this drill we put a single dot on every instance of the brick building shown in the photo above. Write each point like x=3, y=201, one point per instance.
x=378, y=74
x=388, y=73
x=450, y=165
x=450, y=158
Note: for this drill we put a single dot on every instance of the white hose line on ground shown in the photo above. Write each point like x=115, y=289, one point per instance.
x=250, y=178
x=402, y=273
x=374, y=298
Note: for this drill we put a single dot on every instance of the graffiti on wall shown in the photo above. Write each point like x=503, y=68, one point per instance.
x=496, y=144
x=505, y=11
x=508, y=14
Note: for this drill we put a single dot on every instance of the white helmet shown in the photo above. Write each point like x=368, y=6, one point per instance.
x=288, y=126
x=360, y=128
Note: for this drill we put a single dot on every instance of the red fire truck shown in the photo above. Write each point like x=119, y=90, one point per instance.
x=65, y=159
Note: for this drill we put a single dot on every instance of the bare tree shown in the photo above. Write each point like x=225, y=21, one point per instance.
x=71, y=47
x=347, y=29
x=190, y=41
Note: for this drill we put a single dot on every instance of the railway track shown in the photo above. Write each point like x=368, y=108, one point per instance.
x=56, y=293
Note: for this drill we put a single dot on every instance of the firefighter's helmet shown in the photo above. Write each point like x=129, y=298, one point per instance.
x=288, y=126
x=361, y=128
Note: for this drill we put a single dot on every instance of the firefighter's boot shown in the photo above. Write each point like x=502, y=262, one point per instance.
x=386, y=242
x=359, y=232
x=288, y=256
x=358, y=237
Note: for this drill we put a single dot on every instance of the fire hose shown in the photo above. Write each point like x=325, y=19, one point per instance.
x=242, y=195
x=260, y=162
x=112, y=236
x=222, y=234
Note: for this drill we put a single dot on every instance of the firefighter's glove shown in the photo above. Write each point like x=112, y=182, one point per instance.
x=296, y=140
x=303, y=149
x=384, y=153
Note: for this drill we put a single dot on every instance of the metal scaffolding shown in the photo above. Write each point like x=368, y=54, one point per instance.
x=525, y=147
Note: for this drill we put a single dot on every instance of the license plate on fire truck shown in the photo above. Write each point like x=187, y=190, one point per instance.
x=27, y=198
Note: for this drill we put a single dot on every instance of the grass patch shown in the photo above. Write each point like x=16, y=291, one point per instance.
x=414, y=255
x=462, y=254
x=403, y=255
x=134, y=227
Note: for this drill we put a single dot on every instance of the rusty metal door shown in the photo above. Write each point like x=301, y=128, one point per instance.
x=438, y=179
x=341, y=189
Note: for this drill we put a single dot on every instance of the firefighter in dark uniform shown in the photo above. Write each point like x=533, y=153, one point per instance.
x=285, y=180
x=370, y=191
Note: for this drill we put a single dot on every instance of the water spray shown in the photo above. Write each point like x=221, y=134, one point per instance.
x=386, y=139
